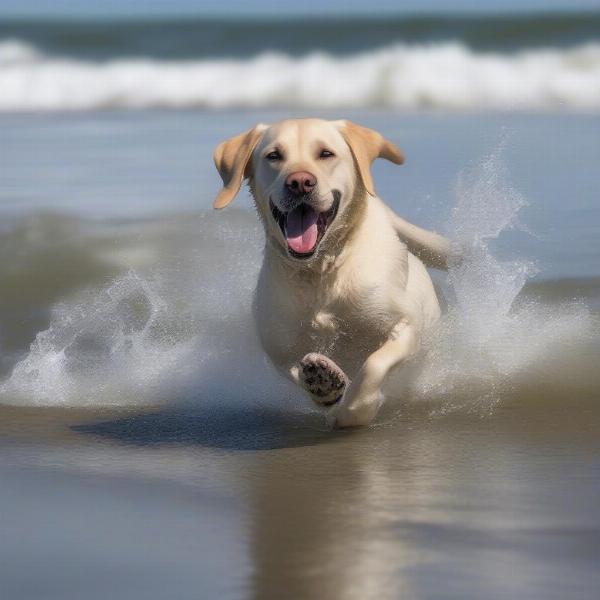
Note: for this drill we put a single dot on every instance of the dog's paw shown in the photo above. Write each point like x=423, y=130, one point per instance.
x=354, y=413
x=322, y=379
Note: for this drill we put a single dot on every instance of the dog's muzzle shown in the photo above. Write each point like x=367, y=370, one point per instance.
x=303, y=227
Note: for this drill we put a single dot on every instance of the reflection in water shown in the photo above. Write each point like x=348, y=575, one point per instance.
x=320, y=529
x=454, y=506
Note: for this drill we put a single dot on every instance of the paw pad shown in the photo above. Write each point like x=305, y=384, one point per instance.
x=322, y=378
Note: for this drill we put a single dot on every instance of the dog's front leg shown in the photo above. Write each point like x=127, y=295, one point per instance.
x=320, y=377
x=362, y=398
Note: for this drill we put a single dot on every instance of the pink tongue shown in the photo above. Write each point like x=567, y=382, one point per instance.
x=301, y=229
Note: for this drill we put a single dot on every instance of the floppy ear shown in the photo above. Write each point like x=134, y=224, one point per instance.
x=367, y=145
x=232, y=159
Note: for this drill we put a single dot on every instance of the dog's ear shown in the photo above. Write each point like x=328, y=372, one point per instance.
x=367, y=145
x=232, y=159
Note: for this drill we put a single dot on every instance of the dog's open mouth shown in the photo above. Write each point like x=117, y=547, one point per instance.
x=304, y=227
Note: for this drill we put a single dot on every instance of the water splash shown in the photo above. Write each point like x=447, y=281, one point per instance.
x=487, y=340
x=175, y=328
x=484, y=287
x=108, y=347
x=178, y=326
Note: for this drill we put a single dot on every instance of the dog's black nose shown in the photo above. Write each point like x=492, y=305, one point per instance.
x=301, y=182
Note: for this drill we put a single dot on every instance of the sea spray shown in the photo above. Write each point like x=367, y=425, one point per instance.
x=484, y=287
x=173, y=329
x=110, y=346
x=484, y=343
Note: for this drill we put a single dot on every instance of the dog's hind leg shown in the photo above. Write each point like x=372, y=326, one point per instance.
x=321, y=378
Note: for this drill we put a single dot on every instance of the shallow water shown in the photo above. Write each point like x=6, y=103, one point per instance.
x=148, y=448
x=247, y=502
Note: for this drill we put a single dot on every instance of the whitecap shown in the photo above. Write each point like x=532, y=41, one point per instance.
x=439, y=76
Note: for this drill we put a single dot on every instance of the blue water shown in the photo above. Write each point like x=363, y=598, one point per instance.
x=122, y=164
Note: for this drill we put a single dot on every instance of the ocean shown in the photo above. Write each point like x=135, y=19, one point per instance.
x=548, y=62
x=149, y=450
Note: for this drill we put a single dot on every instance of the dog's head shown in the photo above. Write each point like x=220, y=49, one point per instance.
x=307, y=177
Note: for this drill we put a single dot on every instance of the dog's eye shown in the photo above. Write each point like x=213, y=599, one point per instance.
x=326, y=154
x=274, y=156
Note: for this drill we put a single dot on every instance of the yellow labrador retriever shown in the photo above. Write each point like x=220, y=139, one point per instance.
x=343, y=295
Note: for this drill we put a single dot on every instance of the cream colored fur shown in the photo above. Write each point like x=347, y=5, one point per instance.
x=364, y=298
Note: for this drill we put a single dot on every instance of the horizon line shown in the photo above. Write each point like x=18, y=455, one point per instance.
x=266, y=16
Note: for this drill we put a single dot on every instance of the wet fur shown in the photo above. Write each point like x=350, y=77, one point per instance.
x=363, y=300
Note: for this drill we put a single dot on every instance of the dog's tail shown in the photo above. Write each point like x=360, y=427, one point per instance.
x=433, y=249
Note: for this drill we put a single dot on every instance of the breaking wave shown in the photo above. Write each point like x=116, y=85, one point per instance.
x=434, y=75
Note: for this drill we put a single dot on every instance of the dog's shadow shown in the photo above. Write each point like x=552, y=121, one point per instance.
x=226, y=426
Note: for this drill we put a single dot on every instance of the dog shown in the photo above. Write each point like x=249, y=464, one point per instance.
x=343, y=296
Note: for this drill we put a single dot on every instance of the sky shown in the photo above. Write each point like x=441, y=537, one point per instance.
x=232, y=8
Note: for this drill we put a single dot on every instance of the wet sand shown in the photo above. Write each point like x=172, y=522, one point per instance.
x=253, y=501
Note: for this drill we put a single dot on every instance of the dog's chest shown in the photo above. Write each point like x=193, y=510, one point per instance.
x=345, y=318
x=324, y=322
x=332, y=318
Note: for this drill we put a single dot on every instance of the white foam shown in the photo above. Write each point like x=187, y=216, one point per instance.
x=155, y=335
x=108, y=346
x=444, y=76
x=486, y=342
